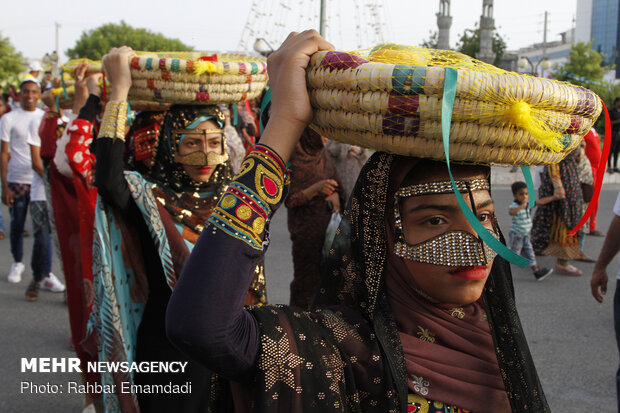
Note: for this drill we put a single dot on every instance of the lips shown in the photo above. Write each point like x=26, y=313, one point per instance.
x=478, y=272
x=205, y=169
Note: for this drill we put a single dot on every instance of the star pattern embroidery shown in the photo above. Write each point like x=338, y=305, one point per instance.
x=335, y=372
x=278, y=362
x=350, y=279
x=340, y=329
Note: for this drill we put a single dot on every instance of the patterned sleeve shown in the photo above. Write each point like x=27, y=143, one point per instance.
x=77, y=150
x=252, y=198
x=205, y=316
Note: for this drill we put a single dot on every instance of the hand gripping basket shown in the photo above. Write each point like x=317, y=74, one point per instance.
x=390, y=99
x=190, y=77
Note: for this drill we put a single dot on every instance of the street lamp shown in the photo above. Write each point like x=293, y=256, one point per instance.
x=263, y=47
x=544, y=63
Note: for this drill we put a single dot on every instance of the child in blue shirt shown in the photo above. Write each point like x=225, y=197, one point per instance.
x=519, y=236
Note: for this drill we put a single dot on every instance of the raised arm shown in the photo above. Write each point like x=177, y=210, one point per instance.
x=110, y=146
x=205, y=316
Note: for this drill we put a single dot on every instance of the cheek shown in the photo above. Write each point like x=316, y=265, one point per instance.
x=183, y=150
x=188, y=170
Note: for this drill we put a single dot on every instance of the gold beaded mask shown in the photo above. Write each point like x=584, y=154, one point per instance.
x=199, y=158
x=453, y=248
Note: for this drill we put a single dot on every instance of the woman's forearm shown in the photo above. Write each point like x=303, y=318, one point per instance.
x=205, y=316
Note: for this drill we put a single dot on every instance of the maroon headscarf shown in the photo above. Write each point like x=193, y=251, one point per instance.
x=449, y=350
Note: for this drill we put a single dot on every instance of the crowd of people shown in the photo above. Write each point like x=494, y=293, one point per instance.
x=376, y=323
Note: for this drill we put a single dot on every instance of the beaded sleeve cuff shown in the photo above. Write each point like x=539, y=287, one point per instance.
x=114, y=121
x=247, y=205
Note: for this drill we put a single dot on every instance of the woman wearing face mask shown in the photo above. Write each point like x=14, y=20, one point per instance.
x=415, y=313
x=144, y=232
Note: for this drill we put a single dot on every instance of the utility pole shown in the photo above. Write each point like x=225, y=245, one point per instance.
x=322, y=19
x=545, y=35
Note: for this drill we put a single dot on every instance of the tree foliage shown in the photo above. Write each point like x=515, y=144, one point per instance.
x=95, y=43
x=433, y=40
x=11, y=61
x=583, y=67
x=469, y=44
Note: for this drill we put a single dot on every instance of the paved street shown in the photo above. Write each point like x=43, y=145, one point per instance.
x=571, y=336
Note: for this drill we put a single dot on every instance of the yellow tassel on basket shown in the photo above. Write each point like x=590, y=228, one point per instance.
x=520, y=114
x=202, y=66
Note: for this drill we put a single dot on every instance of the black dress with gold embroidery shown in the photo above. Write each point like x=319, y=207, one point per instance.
x=346, y=354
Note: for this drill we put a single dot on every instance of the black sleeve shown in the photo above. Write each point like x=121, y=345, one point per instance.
x=205, y=317
x=109, y=178
x=90, y=109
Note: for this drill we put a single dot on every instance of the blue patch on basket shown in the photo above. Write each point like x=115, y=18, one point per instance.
x=566, y=140
x=408, y=79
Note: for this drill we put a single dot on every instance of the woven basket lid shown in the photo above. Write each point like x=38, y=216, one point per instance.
x=390, y=98
x=190, y=77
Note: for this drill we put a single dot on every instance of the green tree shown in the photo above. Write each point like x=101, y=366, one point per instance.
x=432, y=40
x=95, y=43
x=583, y=67
x=11, y=61
x=469, y=44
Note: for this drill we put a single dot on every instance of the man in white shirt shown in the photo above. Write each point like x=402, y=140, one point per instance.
x=16, y=167
x=598, y=283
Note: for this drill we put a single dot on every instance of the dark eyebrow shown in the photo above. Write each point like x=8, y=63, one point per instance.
x=485, y=203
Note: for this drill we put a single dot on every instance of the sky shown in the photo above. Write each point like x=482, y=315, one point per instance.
x=219, y=25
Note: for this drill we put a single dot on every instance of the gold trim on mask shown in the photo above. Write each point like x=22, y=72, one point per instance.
x=199, y=158
x=443, y=187
x=203, y=132
x=453, y=248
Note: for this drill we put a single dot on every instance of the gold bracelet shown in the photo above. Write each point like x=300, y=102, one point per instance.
x=114, y=121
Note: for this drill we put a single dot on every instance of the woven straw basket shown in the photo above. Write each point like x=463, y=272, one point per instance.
x=190, y=77
x=66, y=101
x=376, y=99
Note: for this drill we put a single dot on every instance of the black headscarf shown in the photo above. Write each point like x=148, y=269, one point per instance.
x=355, y=278
x=188, y=201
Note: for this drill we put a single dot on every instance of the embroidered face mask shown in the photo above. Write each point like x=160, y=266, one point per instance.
x=198, y=157
x=452, y=248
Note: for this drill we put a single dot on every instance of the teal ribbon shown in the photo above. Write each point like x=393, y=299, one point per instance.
x=235, y=114
x=129, y=118
x=263, y=108
x=447, y=104
x=527, y=174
